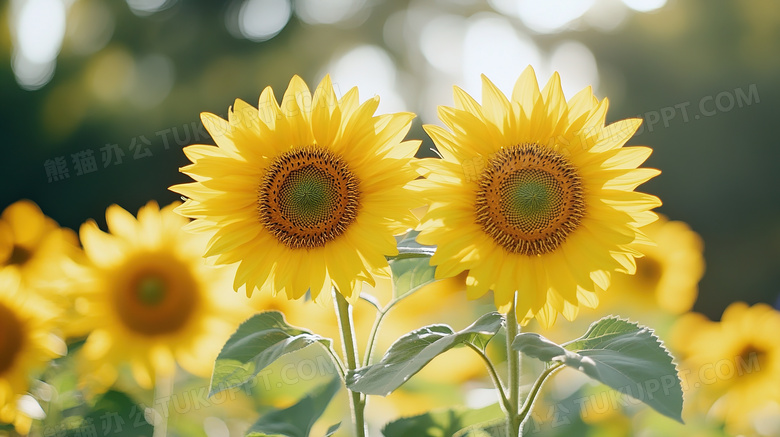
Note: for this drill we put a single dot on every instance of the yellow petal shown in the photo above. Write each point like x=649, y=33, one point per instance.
x=102, y=249
x=122, y=223
x=325, y=108
x=526, y=90
x=495, y=105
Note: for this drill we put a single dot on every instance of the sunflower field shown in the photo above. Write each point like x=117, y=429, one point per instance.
x=418, y=218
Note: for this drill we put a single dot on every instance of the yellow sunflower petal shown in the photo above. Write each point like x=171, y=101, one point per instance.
x=547, y=187
x=152, y=294
x=313, y=196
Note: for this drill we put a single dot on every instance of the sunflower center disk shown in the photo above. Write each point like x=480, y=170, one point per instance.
x=155, y=295
x=151, y=290
x=10, y=338
x=530, y=199
x=308, y=197
x=649, y=270
x=754, y=356
x=19, y=256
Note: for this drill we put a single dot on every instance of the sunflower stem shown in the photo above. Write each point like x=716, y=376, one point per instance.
x=533, y=394
x=337, y=361
x=514, y=420
x=348, y=339
x=372, y=337
x=163, y=389
x=493, y=375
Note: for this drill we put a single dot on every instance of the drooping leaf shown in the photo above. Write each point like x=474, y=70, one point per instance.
x=413, y=351
x=257, y=343
x=297, y=420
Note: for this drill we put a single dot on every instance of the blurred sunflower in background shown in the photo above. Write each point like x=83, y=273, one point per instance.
x=149, y=300
x=305, y=196
x=27, y=343
x=36, y=245
x=731, y=368
x=667, y=277
x=535, y=195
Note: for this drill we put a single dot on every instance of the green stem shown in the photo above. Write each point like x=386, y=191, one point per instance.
x=372, y=336
x=493, y=375
x=336, y=360
x=513, y=362
x=529, y=401
x=347, y=329
x=163, y=389
x=382, y=312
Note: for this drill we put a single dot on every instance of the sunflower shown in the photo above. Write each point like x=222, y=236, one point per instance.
x=305, y=196
x=534, y=195
x=667, y=277
x=27, y=343
x=149, y=299
x=731, y=368
x=35, y=244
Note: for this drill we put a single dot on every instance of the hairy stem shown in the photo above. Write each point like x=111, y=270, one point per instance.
x=513, y=362
x=532, y=395
x=347, y=329
x=372, y=336
x=493, y=375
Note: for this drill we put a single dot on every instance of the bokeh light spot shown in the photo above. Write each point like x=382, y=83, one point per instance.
x=441, y=42
x=645, y=5
x=551, y=15
x=372, y=70
x=153, y=80
x=38, y=28
x=493, y=47
x=607, y=15
x=261, y=20
x=111, y=74
x=148, y=7
x=326, y=11
x=90, y=27
x=576, y=65
x=31, y=75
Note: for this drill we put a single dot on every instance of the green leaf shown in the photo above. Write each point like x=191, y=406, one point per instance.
x=410, y=275
x=116, y=412
x=621, y=354
x=457, y=421
x=297, y=420
x=257, y=343
x=535, y=346
x=413, y=351
x=408, y=247
x=332, y=430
